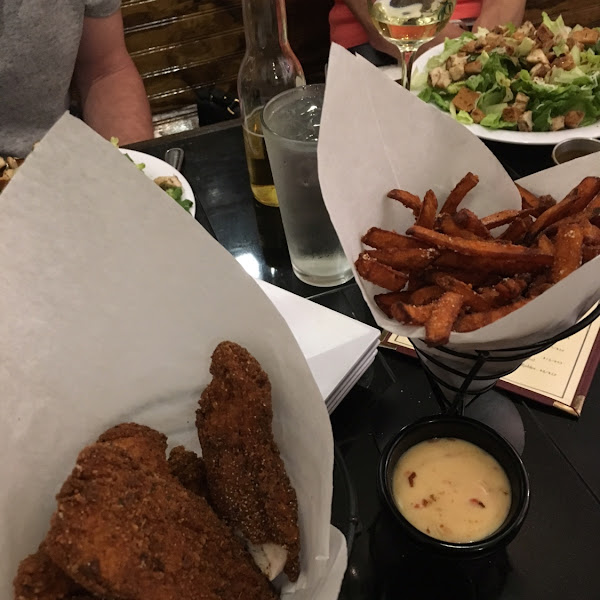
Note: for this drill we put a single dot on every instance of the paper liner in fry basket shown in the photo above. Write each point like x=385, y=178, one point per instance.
x=402, y=142
x=114, y=299
x=450, y=368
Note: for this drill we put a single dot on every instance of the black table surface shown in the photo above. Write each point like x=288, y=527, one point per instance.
x=556, y=553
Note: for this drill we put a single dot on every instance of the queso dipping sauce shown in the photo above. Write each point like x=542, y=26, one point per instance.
x=452, y=490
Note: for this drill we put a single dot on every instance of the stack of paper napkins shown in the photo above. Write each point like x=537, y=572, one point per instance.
x=338, y=349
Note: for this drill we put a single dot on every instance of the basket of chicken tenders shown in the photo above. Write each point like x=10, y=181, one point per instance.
x=479, y=272
x=162, y=434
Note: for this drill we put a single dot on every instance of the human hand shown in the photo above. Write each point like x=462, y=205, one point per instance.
x=452, y=30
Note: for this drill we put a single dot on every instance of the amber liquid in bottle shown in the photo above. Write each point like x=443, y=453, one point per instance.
x=269, y=67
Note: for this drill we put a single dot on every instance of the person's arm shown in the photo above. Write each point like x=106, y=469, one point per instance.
x=500, y=12
x=112, y=94
x=360, y=10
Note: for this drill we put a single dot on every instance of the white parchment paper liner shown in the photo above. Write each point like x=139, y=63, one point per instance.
x=376, y=136
x=113, y=299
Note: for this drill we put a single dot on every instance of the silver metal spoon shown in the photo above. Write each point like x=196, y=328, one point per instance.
x=174, y=157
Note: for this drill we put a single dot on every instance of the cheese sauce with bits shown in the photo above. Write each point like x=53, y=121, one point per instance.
x=452, y=490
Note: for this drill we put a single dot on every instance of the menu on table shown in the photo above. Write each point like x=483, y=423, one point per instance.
x=559, y=377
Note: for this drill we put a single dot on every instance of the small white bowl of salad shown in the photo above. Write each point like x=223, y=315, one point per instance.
x=166, y=177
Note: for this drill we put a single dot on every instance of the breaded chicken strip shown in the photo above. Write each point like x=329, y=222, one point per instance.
x=247, y=482
x=188, y=468
x=38, y=578
x=123, y=531
x=141, y=443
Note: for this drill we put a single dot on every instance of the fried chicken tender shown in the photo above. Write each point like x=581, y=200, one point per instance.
x=141, y=443
x=123, y=531
x=38, y=578
x=247, y=482
x=188, y=468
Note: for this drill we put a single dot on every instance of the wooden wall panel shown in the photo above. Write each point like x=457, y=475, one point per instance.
x=168, y=92
x=178, y=30
x=181, y=46
x=170, y=59
x=583, y=12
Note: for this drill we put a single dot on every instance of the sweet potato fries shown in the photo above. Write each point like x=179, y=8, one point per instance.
x=451, y=271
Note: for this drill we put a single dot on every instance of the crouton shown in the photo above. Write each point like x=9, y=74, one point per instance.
x=466, y=99
x=473, y=46
x=477, y=115
x=571, y=43
x=473, y=68
x=585, y=36
x=512, y=113
x=501, y=29
x=565, y=62
x=573, y=118
x=493, y=40
x=544, y=35
x=540, y=70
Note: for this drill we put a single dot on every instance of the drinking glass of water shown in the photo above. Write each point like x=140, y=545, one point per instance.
x=291, y=123
x=409, y=25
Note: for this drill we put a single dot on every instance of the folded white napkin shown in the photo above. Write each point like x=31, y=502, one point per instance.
x=338, y=349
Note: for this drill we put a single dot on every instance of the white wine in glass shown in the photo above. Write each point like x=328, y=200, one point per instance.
x=408, y=25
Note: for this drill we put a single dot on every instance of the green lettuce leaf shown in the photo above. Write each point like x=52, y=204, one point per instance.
x=492, y=97
x=454, y=88
x=525, y=47
x=461, y=116
x=140, y=166
x=575, y=76
x=475, y=83
x=494, y=109
x=541, y=118
x=586, y=57
x=177, y=194
x=464, y=117
x=418, y=80
x=561, y=48
x=435, y=97
x=558, y=27
x=451, y=46
x=496, y=121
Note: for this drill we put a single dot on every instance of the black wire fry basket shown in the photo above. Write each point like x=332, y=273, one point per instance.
x=458, y=378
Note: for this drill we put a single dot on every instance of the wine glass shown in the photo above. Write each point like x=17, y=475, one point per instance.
x=409, y=25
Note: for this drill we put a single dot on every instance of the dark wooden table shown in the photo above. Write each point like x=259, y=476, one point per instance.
x=556, y=554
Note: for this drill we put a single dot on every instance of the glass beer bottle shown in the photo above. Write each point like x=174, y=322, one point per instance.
x=268, y=67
